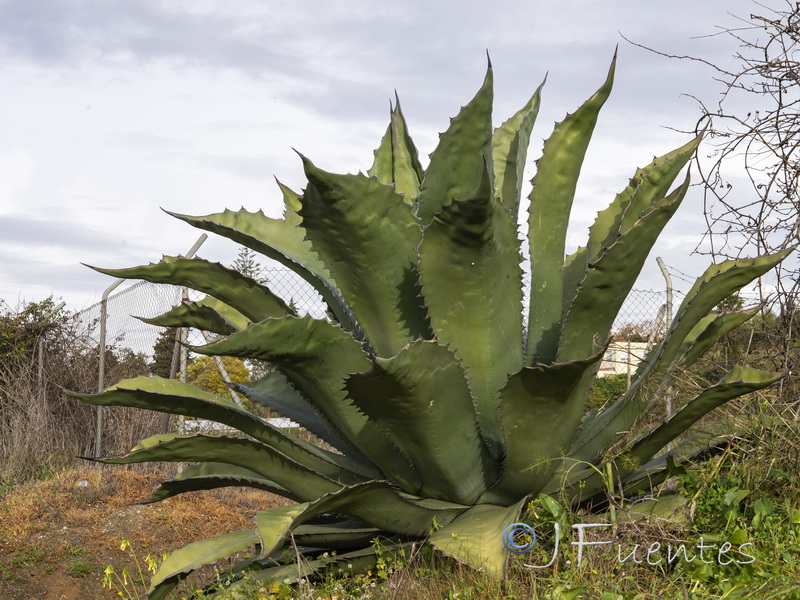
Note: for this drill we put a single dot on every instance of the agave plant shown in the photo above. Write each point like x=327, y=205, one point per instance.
x=444, y=404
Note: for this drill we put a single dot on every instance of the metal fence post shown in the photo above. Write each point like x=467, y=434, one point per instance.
x=98, y=443
x=101, y=364
x=668, y=324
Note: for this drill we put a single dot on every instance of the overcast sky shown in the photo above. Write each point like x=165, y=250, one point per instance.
x=115, y=109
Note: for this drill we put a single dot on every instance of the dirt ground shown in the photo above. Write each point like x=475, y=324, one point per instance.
x=58, y=536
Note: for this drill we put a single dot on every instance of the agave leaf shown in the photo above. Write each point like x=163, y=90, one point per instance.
x=647, y=187
x=471, y=279
x=275, y=392
x=253, y=300
x=661, y=468
x=291, y=205
x=705, y=334
x=428, y=413
x=540, y=413
x=397, y=160
x=548, y=216
x=464, y=150
x=274, y=525
x=299, y=480
x=382, y=167
x=230, y=314
x=374, y=502
x=196, y=315
x=335, y=536
x=510, y=152
x=476, y=537
x=316, y=357
x=381, y=505
x=367, y=237
x=737, y=382
x=280, y=240
x=575, y=267
x=717, y=283
x=609, y=279
x=193, y=556
x=174, y=397
x=666, y=507
x=211, y=475
x=357, y=561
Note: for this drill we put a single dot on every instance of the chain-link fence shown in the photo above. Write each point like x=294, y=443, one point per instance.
x=128, y=337
x=148, y=300
x=126, y=308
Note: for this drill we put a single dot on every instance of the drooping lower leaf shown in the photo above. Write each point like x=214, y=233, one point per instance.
x=174, y=397
x=350, y=563
x=476, y=537
x=193, y=556
x=210, y=476
x=339, y=535
x=737, y=382
x=301, y=481
x=374, y=502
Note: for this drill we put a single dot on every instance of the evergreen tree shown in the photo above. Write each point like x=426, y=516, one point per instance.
x=163, y=350
x=247, y=264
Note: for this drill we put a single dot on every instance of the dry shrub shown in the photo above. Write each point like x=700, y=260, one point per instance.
x=43, y=429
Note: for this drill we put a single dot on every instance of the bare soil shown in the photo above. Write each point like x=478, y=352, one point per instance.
x=58, y=536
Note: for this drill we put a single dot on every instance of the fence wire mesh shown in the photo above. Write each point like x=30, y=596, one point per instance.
x=147, y=300
x=641, y=315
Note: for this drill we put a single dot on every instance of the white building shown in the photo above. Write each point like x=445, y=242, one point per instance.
x=622, y=358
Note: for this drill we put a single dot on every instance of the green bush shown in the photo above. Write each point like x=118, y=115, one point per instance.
x=606, y=390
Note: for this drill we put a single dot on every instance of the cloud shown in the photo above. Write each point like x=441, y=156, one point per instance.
x=17, y=168
x=27, y=232
x=148, y=141
x=248, y=167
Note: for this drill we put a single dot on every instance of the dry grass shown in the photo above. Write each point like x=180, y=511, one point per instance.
x=52, y=521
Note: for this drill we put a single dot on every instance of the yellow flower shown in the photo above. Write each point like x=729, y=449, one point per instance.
x=124, y=545
x=152, y=563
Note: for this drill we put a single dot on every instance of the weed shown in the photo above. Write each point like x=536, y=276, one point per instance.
x=79, y=569
x=28, y=557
